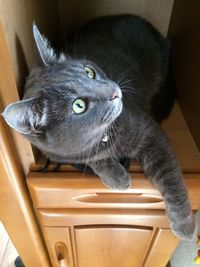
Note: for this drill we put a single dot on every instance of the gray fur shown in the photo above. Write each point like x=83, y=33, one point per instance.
x=131, y=59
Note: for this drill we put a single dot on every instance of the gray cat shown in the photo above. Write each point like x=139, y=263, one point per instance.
x=102, y=102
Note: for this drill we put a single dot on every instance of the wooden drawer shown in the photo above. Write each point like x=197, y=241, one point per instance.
x=69, y=190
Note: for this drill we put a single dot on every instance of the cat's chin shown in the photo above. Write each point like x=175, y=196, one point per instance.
x=117, y=109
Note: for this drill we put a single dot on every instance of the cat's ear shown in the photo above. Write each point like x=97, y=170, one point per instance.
x=45, y=52
x=26, y=116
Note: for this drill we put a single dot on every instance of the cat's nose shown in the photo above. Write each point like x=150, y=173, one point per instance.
x=115, y=94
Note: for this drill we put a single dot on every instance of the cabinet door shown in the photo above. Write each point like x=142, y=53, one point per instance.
x=111, y=246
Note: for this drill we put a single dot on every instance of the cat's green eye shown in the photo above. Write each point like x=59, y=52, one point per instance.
x=79, y=106
x=90, y=72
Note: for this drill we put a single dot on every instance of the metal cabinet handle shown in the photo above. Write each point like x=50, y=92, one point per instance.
x=62, y=254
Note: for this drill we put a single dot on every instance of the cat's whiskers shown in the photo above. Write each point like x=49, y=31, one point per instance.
x=109, y=152
x=114, y=128
x=123, y=75
x=121, y=84
x=88, y=157
x=110, y=146
x=121, y=79
x=130, y=90
x=131, y=94
x=98, y=144
x=127, y=88
x=93, y=147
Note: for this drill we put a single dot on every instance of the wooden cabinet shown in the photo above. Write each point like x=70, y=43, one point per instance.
x=79, y=221
x=100, y=227
x=107, y=246
x=99, y=246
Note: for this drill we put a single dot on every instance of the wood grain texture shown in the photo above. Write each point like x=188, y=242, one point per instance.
x=111, y=246
x=16, y=211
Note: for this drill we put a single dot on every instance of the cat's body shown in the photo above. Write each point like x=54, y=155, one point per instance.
x=101, y=102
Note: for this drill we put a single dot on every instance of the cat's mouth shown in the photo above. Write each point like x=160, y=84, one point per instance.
x=114, y=111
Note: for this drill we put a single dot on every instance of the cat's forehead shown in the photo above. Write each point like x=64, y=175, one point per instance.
x=69, y=75
x=54, y=74
x=60, y=71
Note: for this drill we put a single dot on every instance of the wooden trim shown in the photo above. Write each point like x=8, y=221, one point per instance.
x=9, y=94
x=184, y=31
x=16, y=211
x=164, y=242
x=71, y=217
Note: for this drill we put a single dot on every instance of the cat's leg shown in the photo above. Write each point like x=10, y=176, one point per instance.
x=155, y=153
x=83, y=168
x=57, y=167
x=125, y=162
x=46, y=166
x=112, y=174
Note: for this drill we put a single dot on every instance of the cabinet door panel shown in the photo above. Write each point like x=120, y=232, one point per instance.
x=111, y=246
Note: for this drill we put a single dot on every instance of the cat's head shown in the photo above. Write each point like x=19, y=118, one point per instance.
x=67, y=103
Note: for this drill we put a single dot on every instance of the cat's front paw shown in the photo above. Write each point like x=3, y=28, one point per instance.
x=117, y=184
x=186, y=228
